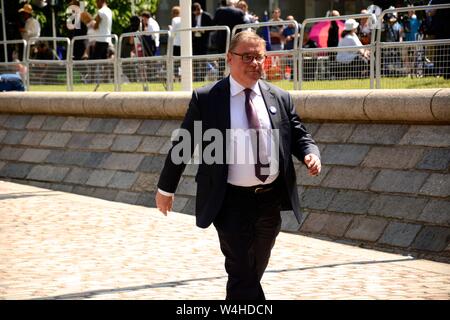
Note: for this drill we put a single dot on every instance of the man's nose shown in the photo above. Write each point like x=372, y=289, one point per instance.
x=255, y=60
x=254, y=63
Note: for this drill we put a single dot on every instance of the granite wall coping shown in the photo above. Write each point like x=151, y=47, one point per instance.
x=416, y=106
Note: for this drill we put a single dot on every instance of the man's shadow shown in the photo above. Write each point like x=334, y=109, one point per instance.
x=172, y=284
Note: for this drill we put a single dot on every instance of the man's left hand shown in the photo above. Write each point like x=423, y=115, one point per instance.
x=313, y=163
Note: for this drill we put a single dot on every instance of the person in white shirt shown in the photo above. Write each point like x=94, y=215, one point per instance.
x=150, y=24
x=102, y=27
x=249, y=17
x=174, y=26
x=357, y=59
x=32, y=28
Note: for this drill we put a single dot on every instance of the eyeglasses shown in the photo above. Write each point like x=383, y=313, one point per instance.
x=248, y=58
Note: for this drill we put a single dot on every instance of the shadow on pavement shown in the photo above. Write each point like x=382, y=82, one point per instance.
x=342, y=264
x=91, y=294
x=26, y=195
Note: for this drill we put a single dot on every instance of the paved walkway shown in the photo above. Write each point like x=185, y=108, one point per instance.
x=66, y=246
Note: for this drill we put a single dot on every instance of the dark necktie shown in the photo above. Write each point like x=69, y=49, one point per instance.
x=261, y=163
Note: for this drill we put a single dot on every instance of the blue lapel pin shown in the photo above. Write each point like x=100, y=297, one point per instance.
x=273, y=110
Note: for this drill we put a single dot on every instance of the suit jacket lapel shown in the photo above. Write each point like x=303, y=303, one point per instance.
x=272, y=106
x=274, y=111
x=221, y=100
x=221, y=107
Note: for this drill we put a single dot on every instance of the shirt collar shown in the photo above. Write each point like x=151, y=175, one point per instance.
x=236, y=87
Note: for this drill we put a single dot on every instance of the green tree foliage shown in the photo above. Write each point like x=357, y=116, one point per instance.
x=122, y=11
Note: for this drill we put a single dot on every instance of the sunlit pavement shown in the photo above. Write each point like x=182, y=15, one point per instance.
x=56, y=245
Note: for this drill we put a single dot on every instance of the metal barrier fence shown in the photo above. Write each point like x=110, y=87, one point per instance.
x=420, y=63
x=411, y=60
x=321, y=67
x=93, y=72
x=280, y=66
x=137, y=63
x=205, y=67
x=47, y=61
x=14, y=59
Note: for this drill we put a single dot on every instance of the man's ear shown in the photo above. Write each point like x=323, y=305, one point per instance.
x=229, y=57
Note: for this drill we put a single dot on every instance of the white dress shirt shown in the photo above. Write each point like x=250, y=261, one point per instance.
x=242, y=173
x=105, y=25
x=32, y=29
x=198, y=19
x=154, y=26
x=349, y=40
x=176, y=25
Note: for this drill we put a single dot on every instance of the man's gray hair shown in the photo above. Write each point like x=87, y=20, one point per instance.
x=245, y=36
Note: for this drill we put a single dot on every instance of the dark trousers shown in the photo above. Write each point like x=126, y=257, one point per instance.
x=100, y=50
x=177, y=63
x=247, y=226
x=199, y=47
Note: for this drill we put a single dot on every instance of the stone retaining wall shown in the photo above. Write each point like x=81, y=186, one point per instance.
x=386, y=158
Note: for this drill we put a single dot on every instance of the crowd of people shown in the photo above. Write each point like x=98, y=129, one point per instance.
x=395, y=27
x=431, y=24
x=99, y=26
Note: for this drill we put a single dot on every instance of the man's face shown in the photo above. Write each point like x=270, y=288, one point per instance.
x=276, y=14
x=247, y=73
x=290, y=18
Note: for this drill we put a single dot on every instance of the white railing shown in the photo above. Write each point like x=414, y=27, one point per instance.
x=279, y=62
x=298, y=68
x=199, y=68
x=391, y=56
x=14, y=60
x=141, y=66
x=45, y=65
x=334, y=69
x=94, y=71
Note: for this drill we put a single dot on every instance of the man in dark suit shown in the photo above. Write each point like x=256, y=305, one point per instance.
x=226, y=15
x=200, y=39
x=440, y=23
x=242, y=198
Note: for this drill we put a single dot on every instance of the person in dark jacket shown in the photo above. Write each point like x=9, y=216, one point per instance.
x=200, y=39
x=229, y=16
x=242, y=197
x=440, y=20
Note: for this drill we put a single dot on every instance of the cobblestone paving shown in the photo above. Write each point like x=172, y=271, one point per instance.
x=56, y=245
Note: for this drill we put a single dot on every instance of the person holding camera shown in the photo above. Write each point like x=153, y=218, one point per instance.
x=364, y=32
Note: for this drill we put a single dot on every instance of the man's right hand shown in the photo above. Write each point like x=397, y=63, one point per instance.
x=164, y=203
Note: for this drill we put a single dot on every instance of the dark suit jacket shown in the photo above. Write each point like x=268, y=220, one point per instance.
x=211, y=105
x=227, y=16
x=200, y=44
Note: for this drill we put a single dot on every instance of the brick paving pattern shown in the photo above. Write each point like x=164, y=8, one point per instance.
x=57, y=245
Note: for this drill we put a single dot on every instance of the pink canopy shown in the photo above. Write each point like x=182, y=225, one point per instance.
x=319, y=32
